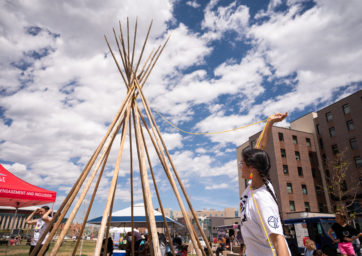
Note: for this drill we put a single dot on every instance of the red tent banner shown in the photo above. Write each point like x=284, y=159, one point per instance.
x=18, y=193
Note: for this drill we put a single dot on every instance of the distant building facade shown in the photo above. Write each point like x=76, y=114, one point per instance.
x=209, y=220
x=226, y=213
x=8, y=219
x=302, y=157
x=339, y=131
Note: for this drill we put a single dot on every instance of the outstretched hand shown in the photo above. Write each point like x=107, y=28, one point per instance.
x=277, y=117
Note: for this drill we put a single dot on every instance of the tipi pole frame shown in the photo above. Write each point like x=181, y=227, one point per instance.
x=177, y=176
x=158, y=195
x=174, y=187
x=113, y=183
x=143, y=189
x=59, y=215
x=131, y=180
x=146, y=187
x=90, y=204
x=86, y=188
x=108, y=226
x=169, y=174
x=77, y=184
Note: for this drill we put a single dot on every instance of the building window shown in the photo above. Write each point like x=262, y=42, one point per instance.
x=321, y=207
x=297, y=155
x=307, y=140
x=282, y=151
x=318, y=129
x=321, y=143
x=313, y=172
x=335, y=149
x=246, y=183
x=346, y=109
x=295, y=139
x=300, y=171
x=332, y=132
x=324, y=159
x=328, y=174
x=329, y=116
x=281, y=136
x=350, y=125
x=358, y=161
x=318, y=190
x=289, y=188
x=291, y=206
x=353, y=143
x=304, y=189
x=311, y=158
x=306, y=206
x=285, y=169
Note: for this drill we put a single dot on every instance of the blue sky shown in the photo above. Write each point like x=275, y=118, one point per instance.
x=227, y=64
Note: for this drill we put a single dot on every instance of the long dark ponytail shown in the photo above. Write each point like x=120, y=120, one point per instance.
x=260, y=160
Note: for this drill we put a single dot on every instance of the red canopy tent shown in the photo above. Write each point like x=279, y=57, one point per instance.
x=17, y=193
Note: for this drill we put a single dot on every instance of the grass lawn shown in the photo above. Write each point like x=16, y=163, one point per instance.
x=65, y=250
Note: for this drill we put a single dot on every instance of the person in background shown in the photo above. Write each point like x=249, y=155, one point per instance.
x=40, y=225
x=357, y=247
x=109, y=246
x=345, y=234
x=309, y=248
x=318, y=253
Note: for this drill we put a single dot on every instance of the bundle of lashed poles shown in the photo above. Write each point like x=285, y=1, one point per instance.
x=129, y=117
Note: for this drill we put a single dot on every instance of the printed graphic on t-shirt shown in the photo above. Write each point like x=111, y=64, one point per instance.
x=346, y=233
x=273, y=222
x=242, y=207
x=38, y=227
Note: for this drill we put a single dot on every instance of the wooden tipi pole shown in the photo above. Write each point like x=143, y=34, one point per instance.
x=144, y=177
x=113, y=184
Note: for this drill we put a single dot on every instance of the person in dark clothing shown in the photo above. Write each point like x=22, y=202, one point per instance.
x=137, y=238
x=109, y=246
x=345, y=234
x=177, y=241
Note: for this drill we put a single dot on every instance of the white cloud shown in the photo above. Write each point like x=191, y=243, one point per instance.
x=320, y=46
x=217, y=186
x=193, y=4
x=229, y=18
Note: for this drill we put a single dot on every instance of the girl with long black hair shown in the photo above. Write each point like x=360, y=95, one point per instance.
x=261, y=225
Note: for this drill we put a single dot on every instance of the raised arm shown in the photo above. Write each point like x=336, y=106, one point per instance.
x=264, y=136
x=46, y=217
x=30, y=220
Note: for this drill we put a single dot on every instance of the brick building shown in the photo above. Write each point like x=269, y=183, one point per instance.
x=339, y=130
x=302, y=156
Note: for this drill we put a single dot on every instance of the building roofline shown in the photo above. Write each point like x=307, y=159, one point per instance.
x=351, y=95
x=304, y=115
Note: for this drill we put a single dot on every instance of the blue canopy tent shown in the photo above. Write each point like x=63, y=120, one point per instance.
x=122, y=218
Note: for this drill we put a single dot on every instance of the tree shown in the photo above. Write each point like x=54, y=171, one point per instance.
x=342, y=196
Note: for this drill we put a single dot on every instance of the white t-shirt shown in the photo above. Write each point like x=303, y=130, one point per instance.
x=251, y=228
x=39, y=229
